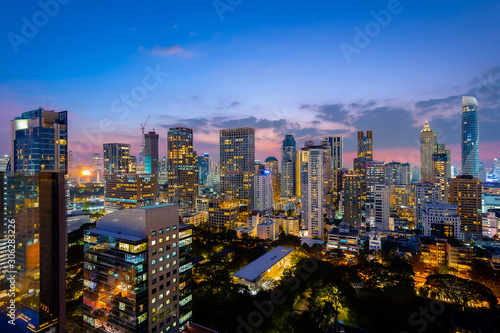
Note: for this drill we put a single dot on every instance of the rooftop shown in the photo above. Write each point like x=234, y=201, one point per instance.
x=257, y=267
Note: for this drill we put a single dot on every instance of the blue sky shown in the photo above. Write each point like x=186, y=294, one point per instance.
x=278, y=67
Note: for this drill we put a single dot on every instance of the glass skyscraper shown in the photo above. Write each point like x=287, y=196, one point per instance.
x=39, y=141
x=288, y=167
x=470, y=136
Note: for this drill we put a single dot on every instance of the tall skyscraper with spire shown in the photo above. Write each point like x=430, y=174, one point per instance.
x=288, y=166
x=470, y=136
x=427, y=148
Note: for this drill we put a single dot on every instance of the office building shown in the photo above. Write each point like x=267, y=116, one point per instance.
x=470, y=136
x=37, y=204
x=182, y=166
x=5, y=163
x=203, y=169
x=312, y=190
x=374, y=174
x=441, y=220
x=39, y=141
x=335, y=146
x=97, y=166
x=382, y=206
x=440, y=173
x=271, y=164
x=425, y=193
x=185, y=276
x=352, y=201
x=132, y=272
x=397, y=173
x=124, y=191
x=466, y=193
x=225, y=214
x=288, y=167
x=237, y=164
x=263, y=192
x=151, y=152
x=428, y=143
x=117, y=158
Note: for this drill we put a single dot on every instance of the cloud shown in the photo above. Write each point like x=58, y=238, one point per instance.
x=229, y=106
x=169, y=51
x=335, y=113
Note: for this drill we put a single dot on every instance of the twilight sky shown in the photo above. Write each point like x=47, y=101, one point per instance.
x=284, y=67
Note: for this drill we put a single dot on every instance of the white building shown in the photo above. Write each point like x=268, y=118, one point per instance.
x=425, y=193
x=441, y=220
x=263, y=192
x=312, y=191
x=375, y=240
x=382, y=201
x=268, y=230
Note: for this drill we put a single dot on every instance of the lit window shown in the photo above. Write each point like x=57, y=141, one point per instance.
x=153, y=242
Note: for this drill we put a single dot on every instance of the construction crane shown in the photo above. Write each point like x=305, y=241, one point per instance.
x=141, y=164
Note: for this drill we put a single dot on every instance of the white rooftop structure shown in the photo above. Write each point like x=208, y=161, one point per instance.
x=259, y=266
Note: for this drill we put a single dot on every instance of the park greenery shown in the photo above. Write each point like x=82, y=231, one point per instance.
x=363, y=294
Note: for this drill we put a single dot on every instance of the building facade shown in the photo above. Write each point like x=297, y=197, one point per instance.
x=288, y=167
x=151, y=152
x=182, y=166
x=466, y=193
x=124, y=191
x=470, y=136
x=237, y=159
x=39, y=141
x=117, y=158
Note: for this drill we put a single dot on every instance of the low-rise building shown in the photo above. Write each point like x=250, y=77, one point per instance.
x=195, y=218
x=268, y=229
x=264, y=269
x=344, y=238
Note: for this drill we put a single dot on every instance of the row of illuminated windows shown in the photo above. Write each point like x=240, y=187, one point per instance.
x=160, y=259
x=160, y=231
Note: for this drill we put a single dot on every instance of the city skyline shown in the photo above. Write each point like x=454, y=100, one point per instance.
x=261, y=73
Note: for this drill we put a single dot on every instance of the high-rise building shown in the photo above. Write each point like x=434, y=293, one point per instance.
x=382, y=206
x=415, y=174
x=39, y=141
x=440, y=174
x=428, y=143
x=37, y=204
x=397, y=173
x=185, y=276
x=117, y=158
x=5, y=163
x=263, y=192
x=224, y=214
x=132, y=263
x=182, y=165
x=97, y=166
x=425, y=193
x=365, y=145
x=203, y=169
x=496, y=168
x=335, y=147
x=470, y=136
x=312, y=190
x=288, y=167
x=124, y=191
x=352, y=202
x=374, y=174
x=237, y=164
x=151, y=152
x=466, y=193
x=271, y=164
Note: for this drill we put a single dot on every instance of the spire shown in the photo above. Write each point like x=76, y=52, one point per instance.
x=426, y=127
